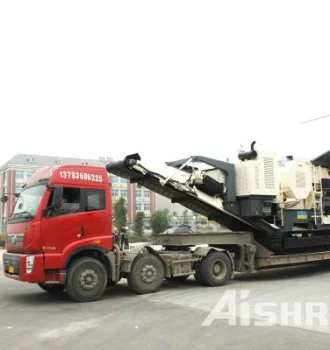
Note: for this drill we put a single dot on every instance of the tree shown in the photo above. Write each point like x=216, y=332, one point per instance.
x=167, y=212
x=120, y=213
x=197, y=217
x=138, y=226
x=159, y=221
x=174, y=216
x=185, y=217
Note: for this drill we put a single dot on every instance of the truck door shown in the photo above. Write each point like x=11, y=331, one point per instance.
x=79, y=219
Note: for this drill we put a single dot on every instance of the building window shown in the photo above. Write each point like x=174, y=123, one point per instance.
x=29, y=174
x=123, y=181
x=95, y=200
x=20, y=174
x=123, y=193
x=138, y=206
x=114, y=179
x=146, y=206
x=115, y=193
x=146, y=194
x=138, y=193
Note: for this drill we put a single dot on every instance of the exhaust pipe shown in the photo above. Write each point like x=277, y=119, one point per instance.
x=248, y=155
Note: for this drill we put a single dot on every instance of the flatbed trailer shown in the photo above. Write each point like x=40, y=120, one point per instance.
x=256, y=257
x=212, y=258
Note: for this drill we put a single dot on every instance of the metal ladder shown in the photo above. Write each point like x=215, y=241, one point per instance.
x=317, y=196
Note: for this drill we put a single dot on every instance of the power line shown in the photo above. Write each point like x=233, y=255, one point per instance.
x=311, y=120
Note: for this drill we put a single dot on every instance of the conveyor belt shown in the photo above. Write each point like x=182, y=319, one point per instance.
x=151, y=180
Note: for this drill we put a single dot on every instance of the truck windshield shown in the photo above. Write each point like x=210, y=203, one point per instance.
x=28, y=202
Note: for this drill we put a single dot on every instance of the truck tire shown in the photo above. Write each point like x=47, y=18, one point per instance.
x=197, y=274
x=147, y=274
x=52, y=288
x=177, y=279
x=215, y=269
x=86, y=280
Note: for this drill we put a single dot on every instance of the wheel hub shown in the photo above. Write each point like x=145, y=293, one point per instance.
x=148, y=274
x=88, y=279
x=216, y=269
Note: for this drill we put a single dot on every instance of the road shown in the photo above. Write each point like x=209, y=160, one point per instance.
x=169, y=319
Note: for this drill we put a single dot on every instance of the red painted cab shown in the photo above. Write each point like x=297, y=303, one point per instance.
x=61, y=213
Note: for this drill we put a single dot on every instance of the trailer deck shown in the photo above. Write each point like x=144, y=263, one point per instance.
x=250, y=253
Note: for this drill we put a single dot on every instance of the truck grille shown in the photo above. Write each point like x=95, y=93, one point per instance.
x=11, y=263
x=15, y=239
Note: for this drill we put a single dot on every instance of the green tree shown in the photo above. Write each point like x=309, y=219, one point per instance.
x=159, y=221
x=174, y=216
x=138, y=226
x=167, y=213
x=185, y=217
x=120, y=213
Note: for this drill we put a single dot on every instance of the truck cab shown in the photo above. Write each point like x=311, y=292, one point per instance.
x=62, y=214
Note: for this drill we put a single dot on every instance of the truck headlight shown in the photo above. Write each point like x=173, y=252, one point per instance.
x=29, y=264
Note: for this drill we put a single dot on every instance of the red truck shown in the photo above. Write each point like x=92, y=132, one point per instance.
x=60, y=229
x=60, y=237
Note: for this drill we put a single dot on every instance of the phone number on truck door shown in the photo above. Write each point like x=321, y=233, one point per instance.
x=75, y=175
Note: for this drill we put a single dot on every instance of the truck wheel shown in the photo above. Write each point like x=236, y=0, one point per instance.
x=52, y=288
x=215, y=269
x=147, y=274
x=197, y=274
x=86, y=280
x=177, y=279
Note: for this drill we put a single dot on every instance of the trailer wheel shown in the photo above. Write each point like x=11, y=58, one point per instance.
x=215, y=269
x=52, y=288
x=147, y=274
x=177, y=278
x=86, y=280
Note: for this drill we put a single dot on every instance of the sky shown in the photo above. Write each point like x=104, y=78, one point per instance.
x=167, y=79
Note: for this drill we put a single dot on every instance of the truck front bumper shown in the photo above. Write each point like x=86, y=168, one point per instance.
x=24, y=267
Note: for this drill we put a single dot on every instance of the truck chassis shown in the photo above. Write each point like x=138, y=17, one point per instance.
x=211, y=258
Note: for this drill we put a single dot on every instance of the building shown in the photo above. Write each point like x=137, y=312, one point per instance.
x=137, y=198
x=15, y=173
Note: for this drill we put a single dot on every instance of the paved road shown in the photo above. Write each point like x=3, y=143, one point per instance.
x=169, y=319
